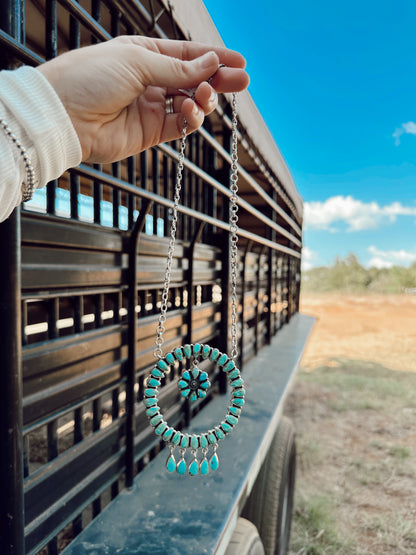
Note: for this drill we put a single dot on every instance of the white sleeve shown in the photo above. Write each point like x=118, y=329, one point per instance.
x=37, y=117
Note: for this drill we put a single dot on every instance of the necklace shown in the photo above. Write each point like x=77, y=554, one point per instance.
x=194, y=381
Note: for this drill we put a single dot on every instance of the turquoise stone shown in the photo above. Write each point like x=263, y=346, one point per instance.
x=194, y=442
x=162, y=365
x=181, y=467
x=161, y=428
x=214, y=462
x=168, y=434
x=203, y=441
x=193, y=468
x=235, y=411
x=178, y=355
x=239, y=392
x=214, y=354
x=193, y=396
x=203, y=376
x=170, y=358
x=238, y=402
x=197, y=348
x=186, y=375
x=211, y=438
x=205, y=351
x=226, y=427
x=176, y=438
x=205, y=384
x=156, y=373
x=183, y=384
x=150, y=402
x=152, y=411
x=223, y=359
x=204, y=467
x=201, y=394
x=233, y=420
x=195, y=372
x=187, y=350
x=237, y=383
x=229, y=366
x=185, y=392
x=153, y=382
x=156, y=419
x=171, y=464
x=150, y=392
x=234, y=374
x=185, y=441
x=219, y=433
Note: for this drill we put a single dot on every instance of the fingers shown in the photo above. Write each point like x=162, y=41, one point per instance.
x=165, y=71
x=187, y=50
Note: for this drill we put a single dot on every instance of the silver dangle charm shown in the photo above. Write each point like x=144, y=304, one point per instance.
x=194, y=466
x=214, y=461
x=171, y=463
x=204, y=465
x=181, y=466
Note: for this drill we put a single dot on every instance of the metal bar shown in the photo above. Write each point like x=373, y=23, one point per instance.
x=131, y=200
x=75, y=188
x=225, y=191
x=116, y=169
x=123, y=185
x=11, y=418
x=155, y=183
x=243, y=300
x=142, y=13
x=250, y=180
x=86, y=19
x=51, y=29
x=269, y=332
x=97, y=196
x=53, y=317
x=191, y=287
x=12, y=46
x=132, y=341
x=51, y=197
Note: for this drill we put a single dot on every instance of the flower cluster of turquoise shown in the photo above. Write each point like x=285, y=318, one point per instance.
x=193, y=384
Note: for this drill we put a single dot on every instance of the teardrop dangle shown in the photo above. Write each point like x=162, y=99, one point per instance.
x=214, y=461
x=204, y=465
x=171, y=463
x=194, y=466
x=181, y=466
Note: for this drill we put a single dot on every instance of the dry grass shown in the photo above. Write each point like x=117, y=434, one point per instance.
x=355, y=415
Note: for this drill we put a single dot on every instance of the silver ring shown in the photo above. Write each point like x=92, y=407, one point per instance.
x=169, y=105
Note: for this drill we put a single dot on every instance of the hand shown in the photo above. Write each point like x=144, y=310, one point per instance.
x=115, y=92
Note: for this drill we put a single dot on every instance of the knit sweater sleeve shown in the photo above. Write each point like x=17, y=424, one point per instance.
x=35, y=114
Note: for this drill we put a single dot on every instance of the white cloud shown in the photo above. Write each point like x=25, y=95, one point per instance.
x=387, y=259
x=308, y=258
x=356, y=214
x=405, y=128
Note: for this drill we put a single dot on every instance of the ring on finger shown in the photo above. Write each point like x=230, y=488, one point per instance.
x=169, y=105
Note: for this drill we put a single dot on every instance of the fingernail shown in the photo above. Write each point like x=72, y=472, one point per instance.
x=208, y=60
x=196, y=110
x=213, y=99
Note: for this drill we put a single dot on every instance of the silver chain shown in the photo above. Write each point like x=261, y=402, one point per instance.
x=233, y=219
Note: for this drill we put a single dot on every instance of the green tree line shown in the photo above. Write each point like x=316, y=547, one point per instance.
x=348, y=275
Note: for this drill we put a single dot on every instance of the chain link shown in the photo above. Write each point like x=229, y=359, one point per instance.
x=234, y=228
x=233, y=220
x=158, y=353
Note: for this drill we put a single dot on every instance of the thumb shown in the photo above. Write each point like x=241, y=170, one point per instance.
x=166, y=71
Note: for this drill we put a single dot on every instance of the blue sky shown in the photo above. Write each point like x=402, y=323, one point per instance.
x=336, y=85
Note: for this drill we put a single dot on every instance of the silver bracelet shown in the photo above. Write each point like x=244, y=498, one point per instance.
x=29, y=186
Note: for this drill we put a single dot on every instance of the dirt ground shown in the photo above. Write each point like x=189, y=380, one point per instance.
x=377, y=328
x=354, y=407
